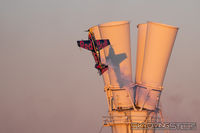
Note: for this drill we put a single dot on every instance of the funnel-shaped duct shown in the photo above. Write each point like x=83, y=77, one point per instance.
x=118, y=55
x=158, y=46
x=97, y=34
x=159, y=43
x=140, y=51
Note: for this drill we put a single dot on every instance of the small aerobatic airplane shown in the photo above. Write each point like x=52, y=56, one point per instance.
x=95, y=46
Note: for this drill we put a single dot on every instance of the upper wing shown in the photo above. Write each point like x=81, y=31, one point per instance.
x=102, y=43
x=87, y=44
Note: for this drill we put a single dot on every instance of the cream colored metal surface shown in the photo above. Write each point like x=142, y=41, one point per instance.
x=141, y=117
x=159, y=43
x=140, y=51
x=158, y=46
x=122, y=99
x=147, y=98
x=118, y=55
x=97, y=34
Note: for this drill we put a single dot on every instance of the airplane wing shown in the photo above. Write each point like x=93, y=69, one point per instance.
x=102, y=43
x=86, y=44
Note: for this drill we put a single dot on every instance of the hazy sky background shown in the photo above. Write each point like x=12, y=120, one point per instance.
x=48, y=86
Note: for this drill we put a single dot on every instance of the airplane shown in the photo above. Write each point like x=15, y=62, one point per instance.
x=95, y=46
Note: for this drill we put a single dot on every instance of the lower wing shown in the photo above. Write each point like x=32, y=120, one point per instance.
x=86, y=44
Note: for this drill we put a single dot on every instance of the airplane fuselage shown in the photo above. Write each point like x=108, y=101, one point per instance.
x=95, y=46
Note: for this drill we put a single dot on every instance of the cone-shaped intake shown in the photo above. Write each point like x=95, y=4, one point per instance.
x=159, y=43
x=118, y=55
x=140, y=51
x=97, y=34
x=158, y=46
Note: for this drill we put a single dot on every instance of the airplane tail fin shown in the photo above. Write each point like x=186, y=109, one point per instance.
x=102, y=68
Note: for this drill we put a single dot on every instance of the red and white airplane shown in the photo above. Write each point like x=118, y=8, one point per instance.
x=95, y=46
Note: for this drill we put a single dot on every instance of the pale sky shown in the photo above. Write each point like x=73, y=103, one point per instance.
x=47, y=85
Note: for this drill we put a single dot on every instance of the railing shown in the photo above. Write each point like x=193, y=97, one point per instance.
x=113, y=120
